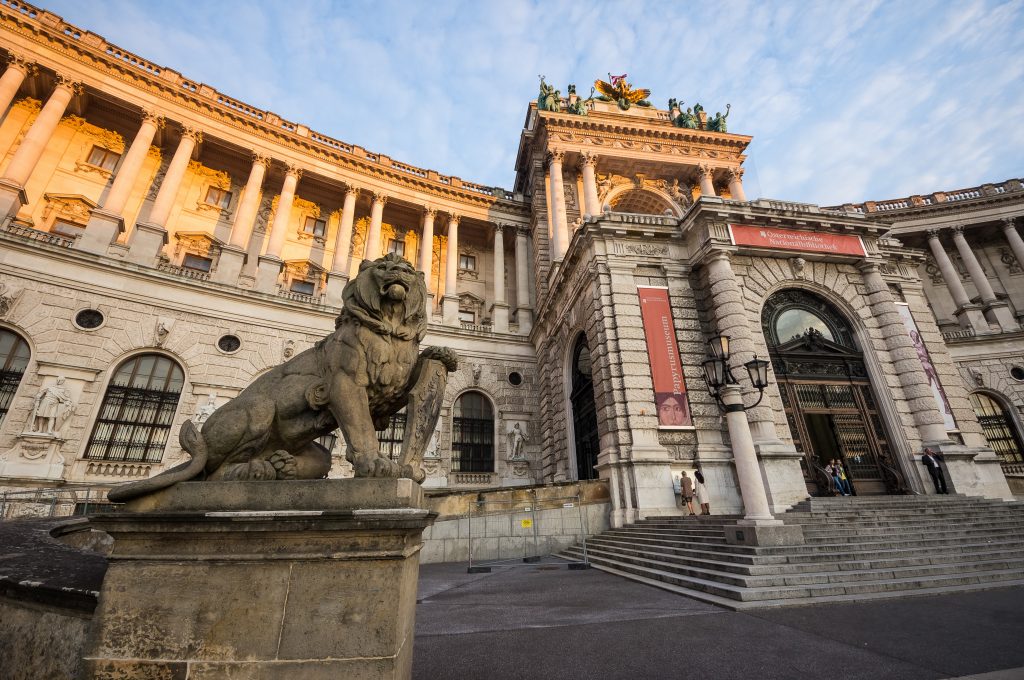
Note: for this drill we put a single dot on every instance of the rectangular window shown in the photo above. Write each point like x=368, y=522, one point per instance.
x=467, y=262
x=199, y=264
x=397, y=247
x=392, y=436
x=302, y=287
x=315, y=227
x=103, y=158
x=218, y=197
x=467, y=316
x=67, y=228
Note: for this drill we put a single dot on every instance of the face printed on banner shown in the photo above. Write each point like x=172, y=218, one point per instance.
x=672, y=410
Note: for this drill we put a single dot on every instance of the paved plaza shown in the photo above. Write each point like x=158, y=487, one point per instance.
x=544, y=621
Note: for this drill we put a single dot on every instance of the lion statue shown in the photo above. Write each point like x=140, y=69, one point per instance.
x=354, y=380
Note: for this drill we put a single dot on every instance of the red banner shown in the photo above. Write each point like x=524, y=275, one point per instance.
x=794, y=239
x=666, y=367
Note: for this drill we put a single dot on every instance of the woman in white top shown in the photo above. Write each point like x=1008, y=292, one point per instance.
x=702, y=494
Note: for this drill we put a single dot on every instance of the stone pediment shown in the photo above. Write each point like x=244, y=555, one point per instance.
x=304, y=269
x=813, y=342
x=71, y=207
x=197, y=243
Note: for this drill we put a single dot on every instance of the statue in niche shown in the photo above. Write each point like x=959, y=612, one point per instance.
x=549, y=98
x=354, y=379
x=717, y=124
x=207, y=409
x=517, y=440
x=51, y=408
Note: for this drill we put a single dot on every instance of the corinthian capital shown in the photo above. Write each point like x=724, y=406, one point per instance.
x=1009, y=223
x=735, y=174
x=555, y=156
x=193, y=133
x=705, y=170
x=259, y=158
x=293, y=169
x=587, y=158
x=454, y=219
x=22, y=63
x=151, y=116
x=958, y=230
x=499, y=228
x=429, y=212
x=68, y=83
x=933, y=233
x=380, y=197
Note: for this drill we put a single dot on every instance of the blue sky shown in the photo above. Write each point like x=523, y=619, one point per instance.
x=846, y=100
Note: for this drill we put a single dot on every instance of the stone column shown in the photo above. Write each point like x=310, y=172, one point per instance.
x=748, y=472
x=338, y=276
x=995, y=310
x=426, y=259
x=736, y=184
x=107, y=222
x=1013, y=238
x=233, y=255
x=560, y=222
x=707, y=180
x=271, y=262
x=968, y=314
x=588, y=164
x=373, y=244
x=12, y=184
x=450, y=305
x=150, y=236
x=499, y=316
x=18, y=68
x=524, y=312
x=906, y=362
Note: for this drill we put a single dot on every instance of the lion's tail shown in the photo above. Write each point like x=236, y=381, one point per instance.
x=192, y=441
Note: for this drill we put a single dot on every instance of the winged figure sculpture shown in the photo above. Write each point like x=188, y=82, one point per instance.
x=621, y=92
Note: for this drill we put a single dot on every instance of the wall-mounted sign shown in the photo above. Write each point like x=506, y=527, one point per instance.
x=666, y=367
x=929, y=368
x=796, y=240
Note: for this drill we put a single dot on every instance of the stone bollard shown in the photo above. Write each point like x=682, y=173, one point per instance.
x=285, y=579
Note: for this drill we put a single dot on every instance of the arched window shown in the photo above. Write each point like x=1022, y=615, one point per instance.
x=135, y=418
x=473, y=434
x=13, y=360
x=998, y=428
x=584, y=411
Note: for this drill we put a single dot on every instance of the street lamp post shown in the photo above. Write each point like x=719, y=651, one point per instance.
x=724, y=387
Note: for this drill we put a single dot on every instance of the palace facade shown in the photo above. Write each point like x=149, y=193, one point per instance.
x=162, y=244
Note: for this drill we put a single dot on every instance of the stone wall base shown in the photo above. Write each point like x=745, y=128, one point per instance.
x=301, y=579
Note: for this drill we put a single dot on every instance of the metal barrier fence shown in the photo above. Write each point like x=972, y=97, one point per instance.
x=60, y=501
x=538, y=522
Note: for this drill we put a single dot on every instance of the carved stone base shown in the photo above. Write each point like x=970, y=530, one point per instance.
x=268, y=274
x=499, y=314
x=524, y=315
x=971, y=316
x=999, y=312
x=12, y=197
x=335, y=285
x=450, y=310
x=35, y=455
x=300, y=579
x=147, y=240
x=101, y=231
x=229, y=265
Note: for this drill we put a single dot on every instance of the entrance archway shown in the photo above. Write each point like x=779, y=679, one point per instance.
x=827, y=395
x=584, y=411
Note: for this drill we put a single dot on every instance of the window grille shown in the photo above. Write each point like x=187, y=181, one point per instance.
x=14, y=354
x=135, y=419
x=391, y=437
x=473, y=434
x=998, y=428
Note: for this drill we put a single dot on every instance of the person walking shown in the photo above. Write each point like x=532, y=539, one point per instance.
x=932, y=461
x=702, y=493
x=686, y=491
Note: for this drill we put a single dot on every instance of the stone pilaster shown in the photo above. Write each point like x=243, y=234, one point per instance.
x=524, y=312
x=560, y=222
x=499, y=317
x=968, y=314
x=996, y=311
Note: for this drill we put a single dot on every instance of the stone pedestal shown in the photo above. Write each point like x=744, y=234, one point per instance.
x=763, y=532
x=102, y=230
x=271, y=580
x=971, y=316
x=268, y=273
x=1000, y=312
x=35, y=455
x=780, y=471
x=524, y=315
x=147, y=240
x=968, y=471
x=12, y=197
x=335, y=285
x=499, y=317
x=652, y=479
x=450, y=310
x=229, y=265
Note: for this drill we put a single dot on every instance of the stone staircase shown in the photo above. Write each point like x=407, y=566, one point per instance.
x=856, y=548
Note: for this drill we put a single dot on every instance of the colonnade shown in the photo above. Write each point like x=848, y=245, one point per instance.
x=991, y=311
x=150, y=234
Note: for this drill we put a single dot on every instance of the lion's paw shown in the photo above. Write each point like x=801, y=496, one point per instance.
x=254, y=470
x=373, y=465
x=414, y=473
x=284, y=464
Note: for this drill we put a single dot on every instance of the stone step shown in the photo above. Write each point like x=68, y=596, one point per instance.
x=918, y=531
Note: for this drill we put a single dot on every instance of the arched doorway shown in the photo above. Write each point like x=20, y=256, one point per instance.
x=827, y=395
x=584, y=412
x=472, y=434
x=998, y=428
x=134, y=421
x=14, y=355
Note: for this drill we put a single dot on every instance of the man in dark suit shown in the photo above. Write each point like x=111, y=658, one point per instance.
x=932, y=460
